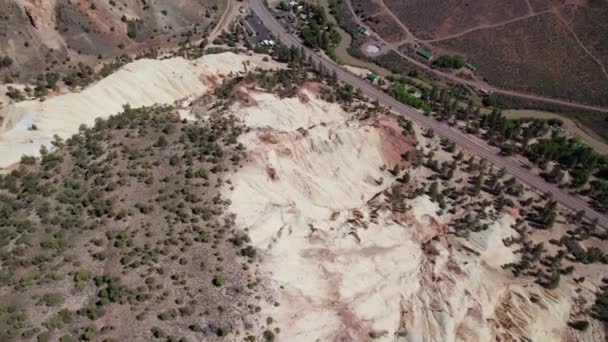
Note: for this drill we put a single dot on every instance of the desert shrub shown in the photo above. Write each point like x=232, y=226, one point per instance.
x=28, y=160
x=5, y=62
x=249, y=252
x=89, y=333
x=222, y=331
x=66, y=338
x=268, y=336
x=579, y=325
x=447, y=61
x=93, y=312
x=43, y=337
x=81, y=277
x=219, y=280
x=131, y=29
x=57, y=321
x=157, y=332
x=51, y=299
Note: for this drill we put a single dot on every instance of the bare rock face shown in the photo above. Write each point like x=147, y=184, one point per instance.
x=351, y=259
x=38, y=34
x=348, y=252
x=141, y=83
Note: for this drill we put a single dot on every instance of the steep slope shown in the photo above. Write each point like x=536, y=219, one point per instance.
x=317, y=197
x=343, y=222
x=141, y=83
x=54, y=35
x=119, y=234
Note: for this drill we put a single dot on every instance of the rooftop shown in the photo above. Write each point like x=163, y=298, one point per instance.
x=256, y=28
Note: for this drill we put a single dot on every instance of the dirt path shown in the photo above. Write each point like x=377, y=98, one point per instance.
x=485, y=27
x=410, y=37
x=531, y=14
x=225, y=20
x=476, y=83
x=580, y=44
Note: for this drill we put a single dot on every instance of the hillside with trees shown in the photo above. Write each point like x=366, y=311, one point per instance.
x=119, y=233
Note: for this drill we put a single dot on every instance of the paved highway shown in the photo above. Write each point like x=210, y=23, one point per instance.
x=465, y=141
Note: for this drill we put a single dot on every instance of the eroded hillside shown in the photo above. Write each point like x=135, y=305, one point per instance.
x=361, y=241
x=26, y=125
x=53, y=36
x=274, y=205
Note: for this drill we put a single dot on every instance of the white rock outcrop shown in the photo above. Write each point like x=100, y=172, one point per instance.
x=343, y=266
x=141, y=83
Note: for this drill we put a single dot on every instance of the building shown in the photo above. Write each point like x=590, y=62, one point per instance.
x=470, y=67
x=285, y=17
x=485, y=92
x=372, y=77
x=424, y=54
x=364, y=31
x=268, y=42
x=256, y=29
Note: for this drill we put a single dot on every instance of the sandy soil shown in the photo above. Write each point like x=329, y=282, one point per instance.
x=141, y=83
x=343, y=266
x=305, y=167
x=4, y=100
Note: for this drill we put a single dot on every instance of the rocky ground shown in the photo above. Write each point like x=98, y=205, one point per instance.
x=296, y=213
x=350, y=257
x=29, y=124
x=53, y=36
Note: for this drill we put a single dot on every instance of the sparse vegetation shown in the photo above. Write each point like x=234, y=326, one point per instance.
x=448, y=61
x=107, y=214
x=139, y=27
x=316, y=31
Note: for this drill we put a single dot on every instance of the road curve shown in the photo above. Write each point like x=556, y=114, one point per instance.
x=465, y=141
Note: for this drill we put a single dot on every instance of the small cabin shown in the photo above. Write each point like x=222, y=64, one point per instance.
x=470, y=66
x=424, y=54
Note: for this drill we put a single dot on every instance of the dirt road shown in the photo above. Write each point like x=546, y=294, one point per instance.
x=485, y=27
x=475, y=83
x=227, y=17
x=342, y=48
x=465, y=141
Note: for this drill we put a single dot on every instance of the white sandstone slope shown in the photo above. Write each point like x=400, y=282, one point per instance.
x=141, y=83
x=342, y=265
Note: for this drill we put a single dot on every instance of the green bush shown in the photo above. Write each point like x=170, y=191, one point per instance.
x=43, y=337
x=66, y=338
x=579, y=325
x=51, y=299
x=447, y=61
x=93, y=312
x=89, y=333
x=219, y=280
x=400, y=93
x=131, y=29
x=28, y=160
x=268, y=336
